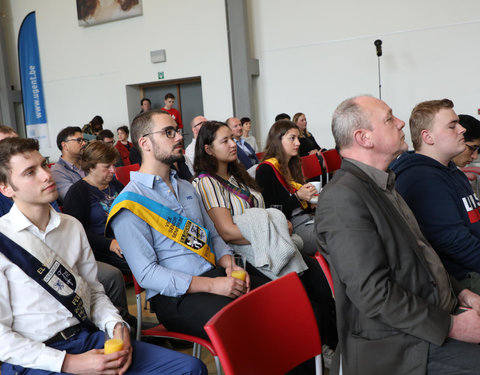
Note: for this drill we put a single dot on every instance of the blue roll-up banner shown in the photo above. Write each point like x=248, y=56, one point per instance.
x=31, y=78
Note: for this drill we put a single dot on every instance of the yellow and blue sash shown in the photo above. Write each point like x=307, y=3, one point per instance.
x=164, y=220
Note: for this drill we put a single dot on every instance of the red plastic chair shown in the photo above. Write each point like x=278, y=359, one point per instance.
x=332, y=161
x=311, y=166
x=123, y=173
x=161, y=331
x=326, y=270
x=269, y=330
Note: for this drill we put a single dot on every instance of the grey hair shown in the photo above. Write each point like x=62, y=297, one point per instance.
x=347, y=118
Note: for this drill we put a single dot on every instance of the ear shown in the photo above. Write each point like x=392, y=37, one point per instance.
x=145, y=144
x=362, y=138
x=208, y=150
x=427, y=137
x=7, y=190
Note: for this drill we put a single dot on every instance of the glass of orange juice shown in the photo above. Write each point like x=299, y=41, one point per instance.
x=238, y=266
x=114, y=336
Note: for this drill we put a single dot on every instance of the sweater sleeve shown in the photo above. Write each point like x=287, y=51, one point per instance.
x=274, y=192
x=77, y=204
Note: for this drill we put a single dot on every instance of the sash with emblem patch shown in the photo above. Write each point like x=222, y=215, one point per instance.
x=178, y=228
x=56, y=278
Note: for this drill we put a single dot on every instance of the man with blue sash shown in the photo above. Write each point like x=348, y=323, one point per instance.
x=51, y=303
x=168, y=239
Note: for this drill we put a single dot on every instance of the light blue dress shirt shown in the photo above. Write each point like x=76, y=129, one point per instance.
x=159, y=264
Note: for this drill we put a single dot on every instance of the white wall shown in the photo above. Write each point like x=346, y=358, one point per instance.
x=85, y=69
x=315, y=53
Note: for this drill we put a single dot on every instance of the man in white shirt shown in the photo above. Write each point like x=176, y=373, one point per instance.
x=196, y=125
x=47, y=311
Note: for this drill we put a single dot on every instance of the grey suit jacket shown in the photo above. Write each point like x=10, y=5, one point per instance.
x=386, y=297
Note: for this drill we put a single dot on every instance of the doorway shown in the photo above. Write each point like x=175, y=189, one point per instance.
x=188, y=99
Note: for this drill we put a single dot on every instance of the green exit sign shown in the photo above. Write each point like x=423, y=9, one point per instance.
x=161, y=75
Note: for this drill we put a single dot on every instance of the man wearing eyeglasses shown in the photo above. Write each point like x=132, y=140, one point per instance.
x=196, y=125
x=167, y=237
x=67, y=170
x=438, y=193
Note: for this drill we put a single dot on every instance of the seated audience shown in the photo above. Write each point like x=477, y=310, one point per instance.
x=236, y=207
x=93, y=127
x=110, y=277
x=123, y=145
x=168, y=107
x=196, y=125
x=308, y=144
x=472, y=141
x=438, y=193
x=247, y=127
x=245, y=152
x=44, y=331
x=396, y=304
x=90, y=199
x=186, y=272
x=281, y=180
x=67, y=169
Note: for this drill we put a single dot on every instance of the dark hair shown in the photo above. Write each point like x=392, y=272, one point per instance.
x=472, y=127
x=106, y=133
x=243, y=120
x=145, y=99
x=10, y=147
x=282, y=116
x=97, y=152
x=65, y=133
x=274, y=149
x=4, y=129
x=97, y=122
x=124, y=129
x=169, y=96
x=209, y=164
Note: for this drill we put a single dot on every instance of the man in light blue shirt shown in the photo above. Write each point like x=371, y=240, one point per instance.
x=185, y=290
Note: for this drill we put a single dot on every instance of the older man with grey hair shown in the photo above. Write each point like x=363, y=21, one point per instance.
x=398, y=310
x=196, y=125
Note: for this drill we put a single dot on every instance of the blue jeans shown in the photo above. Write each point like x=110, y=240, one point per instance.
x=147, y=358
x=454, y=358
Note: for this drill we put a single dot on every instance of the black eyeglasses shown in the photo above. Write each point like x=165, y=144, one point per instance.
x=472, y=148
x=169, y=132
x=78, y=140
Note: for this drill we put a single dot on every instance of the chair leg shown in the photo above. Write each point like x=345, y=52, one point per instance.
x=218, y=365
x=318, y=365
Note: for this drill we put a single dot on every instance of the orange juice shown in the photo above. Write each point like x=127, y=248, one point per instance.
x=113, y=345
x=239, y=274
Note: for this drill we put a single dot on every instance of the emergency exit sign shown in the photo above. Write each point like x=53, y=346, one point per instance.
x=161, y=75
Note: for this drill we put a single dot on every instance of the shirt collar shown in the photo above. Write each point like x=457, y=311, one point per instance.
x=241, y=141
x=148, y=180
x=384, y=180
x=20, y=222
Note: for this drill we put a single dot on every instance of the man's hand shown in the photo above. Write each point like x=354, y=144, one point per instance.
x=115, y=248
x=467, y=298
x=466, y=327
x=96, y=362
x=228, y=286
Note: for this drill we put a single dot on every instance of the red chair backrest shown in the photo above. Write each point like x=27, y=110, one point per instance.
x=332, y=160
x=269, y=330
x=311, y=166
x=326, y=270
x=260, y=155
x=123, y=173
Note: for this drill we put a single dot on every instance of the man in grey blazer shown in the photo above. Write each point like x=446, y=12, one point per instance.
x=397, y=308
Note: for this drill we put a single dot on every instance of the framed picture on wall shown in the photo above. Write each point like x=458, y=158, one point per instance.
x=94, y=12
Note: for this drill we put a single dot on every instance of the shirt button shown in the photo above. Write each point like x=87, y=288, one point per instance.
x=157, y=178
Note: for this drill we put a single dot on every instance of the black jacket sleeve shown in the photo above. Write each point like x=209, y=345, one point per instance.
x=77, y=204
x=274, y=192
